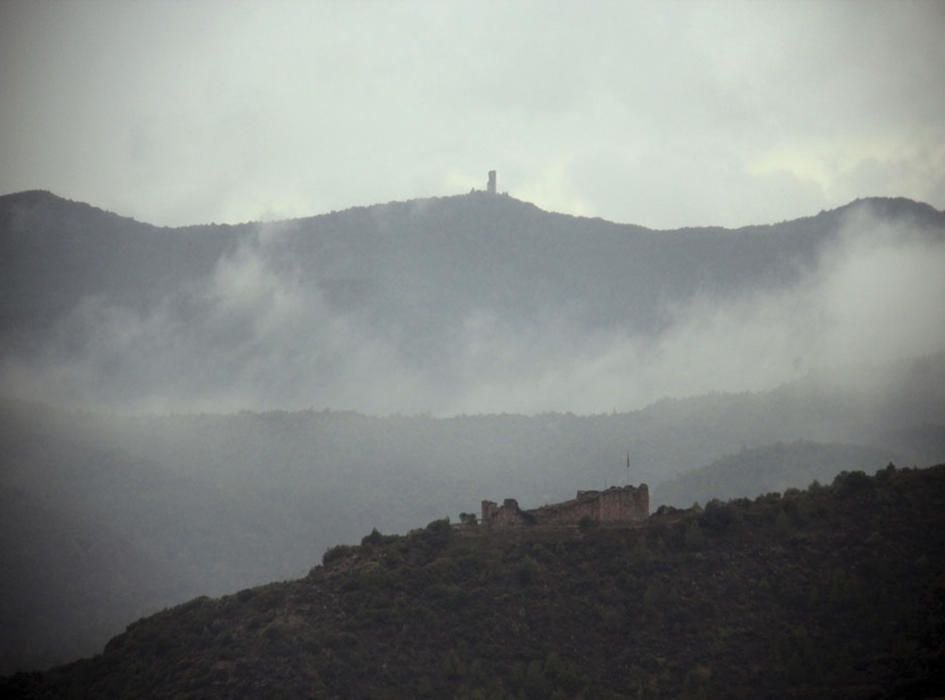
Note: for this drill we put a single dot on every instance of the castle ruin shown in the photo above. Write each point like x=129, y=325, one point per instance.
x=490, y=186
x=613, y=506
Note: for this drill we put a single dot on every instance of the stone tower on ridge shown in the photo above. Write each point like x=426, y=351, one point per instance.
x=490, y=188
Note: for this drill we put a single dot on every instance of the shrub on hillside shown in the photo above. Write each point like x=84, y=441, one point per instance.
x=719, y=516
x=849, y=483
x=337, y=553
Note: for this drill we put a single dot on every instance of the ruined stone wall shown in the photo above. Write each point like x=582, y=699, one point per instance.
x=626, y=504
x=504, y=516
x=568, y=513
x=507, y=517
x=615, y=505
x=489, y=509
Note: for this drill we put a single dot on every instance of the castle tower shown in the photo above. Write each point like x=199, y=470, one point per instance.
x=489, y=509
x=490, y=188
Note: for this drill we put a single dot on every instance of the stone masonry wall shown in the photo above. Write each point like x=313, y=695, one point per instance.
x=615, y=505
x=568, y=513
x=618, y=505
x=504, y=516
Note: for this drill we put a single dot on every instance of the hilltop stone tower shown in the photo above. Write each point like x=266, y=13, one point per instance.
x=490, y=188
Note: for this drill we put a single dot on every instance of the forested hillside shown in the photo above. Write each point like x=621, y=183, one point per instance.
x=837, y=591
x=463, y=304
x=112, y=517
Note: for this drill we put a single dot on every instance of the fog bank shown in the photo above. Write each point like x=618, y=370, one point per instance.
x=259, y=333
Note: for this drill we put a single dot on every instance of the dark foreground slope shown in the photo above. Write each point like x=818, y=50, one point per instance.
x=833, y=592
x=105, y=519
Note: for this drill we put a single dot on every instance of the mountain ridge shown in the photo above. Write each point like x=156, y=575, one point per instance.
x=427, y=291
x=34, y=196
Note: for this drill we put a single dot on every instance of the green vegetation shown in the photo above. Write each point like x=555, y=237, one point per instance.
x=835, y=591
x=105, y=519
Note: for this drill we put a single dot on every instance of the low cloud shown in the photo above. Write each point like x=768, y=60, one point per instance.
x=257, y=335
x=874, y=298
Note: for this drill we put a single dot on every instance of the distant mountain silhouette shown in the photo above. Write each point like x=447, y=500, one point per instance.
x=412, y=267
x=432, y=296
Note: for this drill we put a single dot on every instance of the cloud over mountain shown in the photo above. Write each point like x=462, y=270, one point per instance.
x=478, y=304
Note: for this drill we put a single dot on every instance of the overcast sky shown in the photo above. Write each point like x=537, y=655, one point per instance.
x=663, y=114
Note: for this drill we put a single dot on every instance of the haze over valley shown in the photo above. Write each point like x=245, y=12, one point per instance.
x=278, y=279
x=209, y=408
